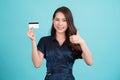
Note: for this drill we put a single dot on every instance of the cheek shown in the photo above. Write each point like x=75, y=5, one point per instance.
x=55, y=23
x=66, y=25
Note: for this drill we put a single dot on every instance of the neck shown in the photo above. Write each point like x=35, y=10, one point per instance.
x=60, y=36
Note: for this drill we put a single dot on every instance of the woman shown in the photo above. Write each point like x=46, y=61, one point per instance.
x=61, y=48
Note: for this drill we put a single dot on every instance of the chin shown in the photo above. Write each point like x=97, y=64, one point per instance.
x=60, y=31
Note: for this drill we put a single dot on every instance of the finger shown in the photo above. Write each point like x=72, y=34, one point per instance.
x=28, y=34
x=30, y=29
x=71, y=41
x=77, y=32
x=72, y=36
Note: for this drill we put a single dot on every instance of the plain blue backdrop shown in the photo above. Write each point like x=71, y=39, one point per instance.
x=98, y=22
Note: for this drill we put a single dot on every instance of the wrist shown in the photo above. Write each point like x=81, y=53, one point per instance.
x=81, y=42
x=33, y=41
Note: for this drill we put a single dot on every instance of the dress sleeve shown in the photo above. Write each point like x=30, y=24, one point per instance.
x=41, y=45
x=79, y=55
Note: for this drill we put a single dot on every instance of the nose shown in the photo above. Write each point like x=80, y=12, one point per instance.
x=60, y=23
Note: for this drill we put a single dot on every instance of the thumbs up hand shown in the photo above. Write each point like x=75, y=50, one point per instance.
x=76, y=39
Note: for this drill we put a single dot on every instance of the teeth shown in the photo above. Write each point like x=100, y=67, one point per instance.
x=60, y=27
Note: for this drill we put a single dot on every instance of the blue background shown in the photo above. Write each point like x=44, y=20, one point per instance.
x=98, y=22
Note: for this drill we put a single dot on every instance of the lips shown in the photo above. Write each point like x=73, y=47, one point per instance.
x=59, y=28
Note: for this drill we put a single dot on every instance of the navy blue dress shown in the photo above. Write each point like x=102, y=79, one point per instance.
x=59, y=59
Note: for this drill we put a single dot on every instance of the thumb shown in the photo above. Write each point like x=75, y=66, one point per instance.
x=77, y=32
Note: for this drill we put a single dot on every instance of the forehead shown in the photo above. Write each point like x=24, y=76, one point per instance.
x=59, y=15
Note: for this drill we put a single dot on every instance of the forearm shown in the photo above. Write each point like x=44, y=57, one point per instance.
x=35, y=55
x=87, y=56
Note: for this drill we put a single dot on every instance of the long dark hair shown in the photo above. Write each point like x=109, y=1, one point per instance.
x=71, y=30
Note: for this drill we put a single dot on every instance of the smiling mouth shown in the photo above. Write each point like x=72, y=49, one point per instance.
x=59, y=28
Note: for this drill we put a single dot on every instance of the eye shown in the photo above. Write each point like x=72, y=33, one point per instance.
x=56, y=19
x=64, y=20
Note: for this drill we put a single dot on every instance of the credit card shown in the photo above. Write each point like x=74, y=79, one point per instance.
x=33, y=24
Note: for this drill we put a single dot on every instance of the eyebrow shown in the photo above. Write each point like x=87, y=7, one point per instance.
x=59, y=18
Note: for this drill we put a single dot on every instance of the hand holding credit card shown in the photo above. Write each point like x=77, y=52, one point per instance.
x=34, y=25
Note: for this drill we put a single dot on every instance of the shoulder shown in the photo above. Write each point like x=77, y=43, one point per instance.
x=46, y=38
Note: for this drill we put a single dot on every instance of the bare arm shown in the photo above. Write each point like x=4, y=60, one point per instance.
x=86, y=55
x=37, y=56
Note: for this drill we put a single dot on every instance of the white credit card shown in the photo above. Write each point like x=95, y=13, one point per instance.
x=33, y=24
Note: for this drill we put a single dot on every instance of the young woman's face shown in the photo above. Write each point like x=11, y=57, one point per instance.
x=60, y=23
